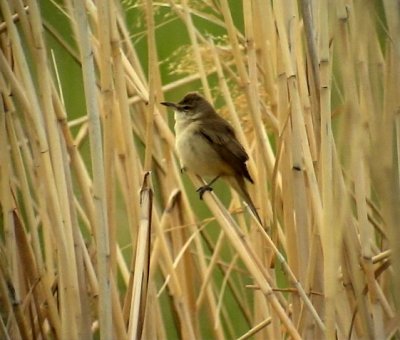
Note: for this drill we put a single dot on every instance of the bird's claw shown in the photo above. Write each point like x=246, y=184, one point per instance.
x=203, y=189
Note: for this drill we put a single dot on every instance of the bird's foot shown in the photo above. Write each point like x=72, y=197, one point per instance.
x=203, y=189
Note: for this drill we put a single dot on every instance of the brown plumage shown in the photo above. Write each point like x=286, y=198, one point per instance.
x=206, y=145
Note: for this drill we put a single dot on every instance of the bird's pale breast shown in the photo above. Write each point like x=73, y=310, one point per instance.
x=196, y=153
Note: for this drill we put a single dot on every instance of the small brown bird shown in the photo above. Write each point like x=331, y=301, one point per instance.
x=207, y=146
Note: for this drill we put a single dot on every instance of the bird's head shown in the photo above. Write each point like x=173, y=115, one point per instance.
x=192, y=106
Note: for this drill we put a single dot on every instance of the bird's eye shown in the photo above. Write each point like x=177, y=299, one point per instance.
x=186, y=108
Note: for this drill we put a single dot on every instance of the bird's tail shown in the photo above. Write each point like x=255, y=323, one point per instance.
x=237, y=182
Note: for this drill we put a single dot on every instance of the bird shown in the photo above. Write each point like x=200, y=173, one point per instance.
x=206, y=145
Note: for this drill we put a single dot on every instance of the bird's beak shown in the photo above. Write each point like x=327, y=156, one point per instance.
x=169, y=104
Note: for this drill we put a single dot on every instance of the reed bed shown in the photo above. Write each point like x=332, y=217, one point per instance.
x=103, y=237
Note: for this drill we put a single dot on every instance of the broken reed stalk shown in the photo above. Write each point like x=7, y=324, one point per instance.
x=326, y=185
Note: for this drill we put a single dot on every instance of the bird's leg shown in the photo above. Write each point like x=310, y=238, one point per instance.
x=206, y=187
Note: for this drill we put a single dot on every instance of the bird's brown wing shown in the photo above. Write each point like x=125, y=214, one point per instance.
x=221, y=136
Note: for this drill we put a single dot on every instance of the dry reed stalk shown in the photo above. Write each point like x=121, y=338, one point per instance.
x=142, y=263
x=68, y=281
x=99, y=185
x=312, y=99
